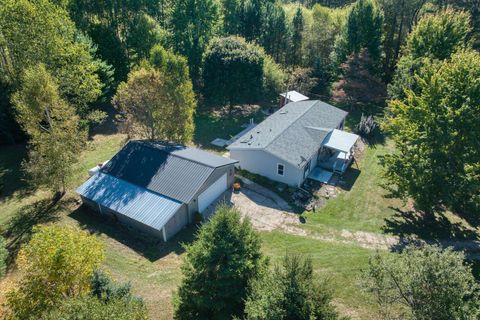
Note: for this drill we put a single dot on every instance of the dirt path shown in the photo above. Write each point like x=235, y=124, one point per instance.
x=267, y=212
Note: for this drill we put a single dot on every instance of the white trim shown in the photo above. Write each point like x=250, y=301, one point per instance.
x=283, y=165
x=164, y=235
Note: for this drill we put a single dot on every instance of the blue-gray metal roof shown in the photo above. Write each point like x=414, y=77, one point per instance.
x=177, y=172
x=294, y=132
x=144, y=206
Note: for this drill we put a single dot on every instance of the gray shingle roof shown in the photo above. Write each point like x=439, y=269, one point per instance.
x=135, y=202
x=294, y=132
x=177, y=172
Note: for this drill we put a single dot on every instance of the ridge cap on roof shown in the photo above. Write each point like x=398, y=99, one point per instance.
x=315, y=102
x=289, y=125
x=179, y=147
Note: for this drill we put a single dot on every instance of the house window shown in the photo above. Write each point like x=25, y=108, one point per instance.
x=280, y=169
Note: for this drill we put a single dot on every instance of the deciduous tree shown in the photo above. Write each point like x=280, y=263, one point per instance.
x=436, y=131
x=53, y=126
x=423, y=283
x=57, y=263
x=435, y=37
x=39, y=31
x=158, y=100
x=218, y=267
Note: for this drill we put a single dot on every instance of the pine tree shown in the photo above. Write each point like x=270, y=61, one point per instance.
x=218, y=267
x=298, y=25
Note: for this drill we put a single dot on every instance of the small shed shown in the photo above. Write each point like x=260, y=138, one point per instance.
x=291, y=96
x=157, y=187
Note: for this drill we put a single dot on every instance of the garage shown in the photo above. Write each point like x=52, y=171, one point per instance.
x=213, y=192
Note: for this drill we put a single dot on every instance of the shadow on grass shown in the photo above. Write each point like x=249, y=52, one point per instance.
x=348, y=179
x=148, y=246
x=11, y=173
x=20, y=228
x=410, y=223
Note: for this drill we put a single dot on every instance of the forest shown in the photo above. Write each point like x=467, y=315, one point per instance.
x=408, y=72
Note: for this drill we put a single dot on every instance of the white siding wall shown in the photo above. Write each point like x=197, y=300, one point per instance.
x=265, y=164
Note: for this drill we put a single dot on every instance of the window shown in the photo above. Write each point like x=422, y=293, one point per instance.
x=280, y=169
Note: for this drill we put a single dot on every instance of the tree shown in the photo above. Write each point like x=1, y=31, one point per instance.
x=53, y=127
x=3, y=256
x=232, y=71
x=364, y=29
x=144, y=34
x=423, y=283
x=358, y=86
x=194, y=23
x=253, y=19
x=275, y=32
x=436, y=132
x=435, y=37
x=399, y=18
x=319, y=42
x=94, y=309
x=218, y=267
x=39, y=31
x=57, y=263
x=298, y=27
x=158, y=100
x=290, y=292
x=232, y=12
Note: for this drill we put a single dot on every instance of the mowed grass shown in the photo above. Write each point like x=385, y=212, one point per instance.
x=365, y=206
x=341, y=264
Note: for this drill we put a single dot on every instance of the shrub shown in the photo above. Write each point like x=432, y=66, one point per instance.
x=366, y=126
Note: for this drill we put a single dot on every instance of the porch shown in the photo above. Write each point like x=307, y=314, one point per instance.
x=335, y=156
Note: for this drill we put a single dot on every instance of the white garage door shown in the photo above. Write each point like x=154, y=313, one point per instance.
x=212, y=193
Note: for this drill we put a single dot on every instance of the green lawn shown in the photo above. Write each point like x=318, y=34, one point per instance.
x=364, y=207
x=340, y=264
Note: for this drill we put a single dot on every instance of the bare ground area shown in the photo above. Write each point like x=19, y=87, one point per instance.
x=267, y=212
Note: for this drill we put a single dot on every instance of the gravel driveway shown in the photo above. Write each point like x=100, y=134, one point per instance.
x=265, y=209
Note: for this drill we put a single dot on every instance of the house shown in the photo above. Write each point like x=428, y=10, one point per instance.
x=301, y=140
x=157, y=187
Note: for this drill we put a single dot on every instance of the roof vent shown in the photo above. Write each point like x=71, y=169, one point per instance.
x=283, y=112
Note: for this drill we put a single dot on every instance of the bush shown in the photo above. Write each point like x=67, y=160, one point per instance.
x=366, y=126
x=105, y=289
x=92, y=308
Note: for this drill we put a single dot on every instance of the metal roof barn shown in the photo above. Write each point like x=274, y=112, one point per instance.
x=144, y=206
x=174, y=171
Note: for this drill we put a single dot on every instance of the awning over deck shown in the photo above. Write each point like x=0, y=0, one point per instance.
x=340, y=140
